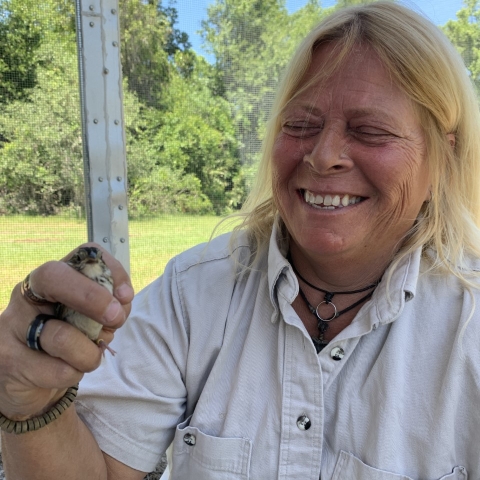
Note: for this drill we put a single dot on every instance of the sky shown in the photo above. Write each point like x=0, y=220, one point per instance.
x=192, y=12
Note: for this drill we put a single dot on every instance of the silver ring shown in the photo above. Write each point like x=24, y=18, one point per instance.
x=35, y=329
x=327, y=319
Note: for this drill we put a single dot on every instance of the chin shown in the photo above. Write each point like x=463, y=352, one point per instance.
x=322, y=244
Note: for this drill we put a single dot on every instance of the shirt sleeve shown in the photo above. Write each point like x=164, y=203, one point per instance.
x=133, y=402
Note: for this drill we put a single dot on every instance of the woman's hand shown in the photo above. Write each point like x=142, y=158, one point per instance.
x=31, y=381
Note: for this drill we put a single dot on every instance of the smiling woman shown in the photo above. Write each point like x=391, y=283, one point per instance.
x=340, y=140
x=333, y=335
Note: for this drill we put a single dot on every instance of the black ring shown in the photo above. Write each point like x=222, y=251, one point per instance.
x=35, y=329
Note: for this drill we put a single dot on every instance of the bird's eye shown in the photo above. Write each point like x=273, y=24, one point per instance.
x=81, y=255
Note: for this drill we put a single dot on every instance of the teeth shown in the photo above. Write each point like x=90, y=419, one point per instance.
x=330, y=202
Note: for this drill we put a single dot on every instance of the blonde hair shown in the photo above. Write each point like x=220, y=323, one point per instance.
x=426, y=66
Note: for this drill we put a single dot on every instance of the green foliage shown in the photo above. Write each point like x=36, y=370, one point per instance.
x=167, y=191
x=149, y=41
x=192, y=136
x=252, y=41
x=23, y=28
x=194, y=130
x=348, y=3
x=144, y=33
x=19, y=40
x=464, y=33
x=182, y=152
x=41, y=168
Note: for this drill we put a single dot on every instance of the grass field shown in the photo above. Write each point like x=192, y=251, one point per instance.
x=30, y=241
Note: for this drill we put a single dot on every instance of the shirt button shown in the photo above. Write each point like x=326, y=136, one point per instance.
x=189, y=439
x=337, y=353
x=303, y=422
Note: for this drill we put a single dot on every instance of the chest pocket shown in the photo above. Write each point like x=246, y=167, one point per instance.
x=350, y=467
x=198, y=456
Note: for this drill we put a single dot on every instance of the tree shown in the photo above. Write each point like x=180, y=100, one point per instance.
x=252, y=41
x=41, y=168
x=464, y=33
x=149, y=42
x=347, y=3
x=182, y=152
x=40, y=143
x=19, y=41
x=236, y=34
x=187, y=153
x=23, y=28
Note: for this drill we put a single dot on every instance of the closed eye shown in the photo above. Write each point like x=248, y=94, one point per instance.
x=372, y=134
x=301, y=129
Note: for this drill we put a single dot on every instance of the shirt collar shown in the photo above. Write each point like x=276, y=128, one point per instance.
x=397, y=287
x=389, y=298
x=280, y=273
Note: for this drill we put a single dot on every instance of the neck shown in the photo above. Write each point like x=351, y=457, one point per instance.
x=339, y=273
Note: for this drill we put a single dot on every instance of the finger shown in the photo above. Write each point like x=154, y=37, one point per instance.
x=31, y=379
x=57, y=338
x=30, y=295
x=61, y=340
x=58, y=282
x=33, y=369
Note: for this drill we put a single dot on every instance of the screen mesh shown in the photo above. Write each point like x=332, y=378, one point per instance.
x=41, y=167
x=199, y=79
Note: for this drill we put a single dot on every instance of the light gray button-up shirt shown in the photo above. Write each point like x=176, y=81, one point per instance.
x=219, y=363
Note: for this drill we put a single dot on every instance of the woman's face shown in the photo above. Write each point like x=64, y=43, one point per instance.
x=350, y=174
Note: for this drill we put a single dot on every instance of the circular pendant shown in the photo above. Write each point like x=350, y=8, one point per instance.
x=334, y=312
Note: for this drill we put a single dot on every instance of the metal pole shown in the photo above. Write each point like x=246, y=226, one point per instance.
x=104, y=151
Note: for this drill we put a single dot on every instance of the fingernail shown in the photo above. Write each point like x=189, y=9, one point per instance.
x=112, y=311
x=124, y=291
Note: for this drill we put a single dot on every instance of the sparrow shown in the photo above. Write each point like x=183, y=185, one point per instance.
x=89, y=262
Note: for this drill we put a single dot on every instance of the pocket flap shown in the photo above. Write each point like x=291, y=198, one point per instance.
x=213, y=453
x=349, y=467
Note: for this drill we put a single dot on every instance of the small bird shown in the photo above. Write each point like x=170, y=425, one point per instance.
x=89, y=262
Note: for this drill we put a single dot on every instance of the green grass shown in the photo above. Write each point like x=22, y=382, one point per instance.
x=29, y=241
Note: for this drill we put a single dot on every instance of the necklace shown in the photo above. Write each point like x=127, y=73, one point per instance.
x=327, y=299
x=322, y=323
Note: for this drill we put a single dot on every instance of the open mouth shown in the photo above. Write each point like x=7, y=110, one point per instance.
x=330, y=201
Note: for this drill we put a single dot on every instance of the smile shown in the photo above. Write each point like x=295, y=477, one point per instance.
x=330, y=201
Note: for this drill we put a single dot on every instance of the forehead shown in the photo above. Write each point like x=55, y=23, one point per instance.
x=360, y=78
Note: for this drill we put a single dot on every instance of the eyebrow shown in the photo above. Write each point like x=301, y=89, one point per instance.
x=357, y=112
x=310, y=109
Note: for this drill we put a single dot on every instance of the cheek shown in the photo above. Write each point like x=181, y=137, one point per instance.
x=405, y=187
x=287, y=155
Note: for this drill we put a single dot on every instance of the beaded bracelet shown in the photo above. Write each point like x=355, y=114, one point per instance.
x=36, y=423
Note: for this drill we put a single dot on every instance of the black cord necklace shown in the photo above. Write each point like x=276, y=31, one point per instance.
x=322, y=323
x=329, y=295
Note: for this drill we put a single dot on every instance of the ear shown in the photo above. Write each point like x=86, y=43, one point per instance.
x=451, y=139
x=429, y=195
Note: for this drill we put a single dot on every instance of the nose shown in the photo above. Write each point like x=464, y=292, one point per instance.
x=330, y=153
